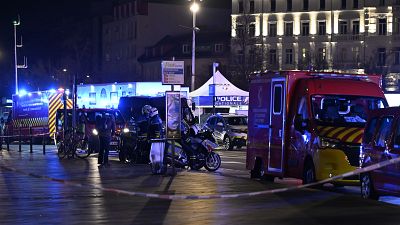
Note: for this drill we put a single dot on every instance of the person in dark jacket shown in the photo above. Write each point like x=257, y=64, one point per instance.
x=106, y=129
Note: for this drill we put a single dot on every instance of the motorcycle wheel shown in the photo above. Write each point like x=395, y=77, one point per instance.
x=213, y=162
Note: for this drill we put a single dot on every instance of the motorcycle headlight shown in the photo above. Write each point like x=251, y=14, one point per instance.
x=125, y=130
x=327, y=143
x=95, y=132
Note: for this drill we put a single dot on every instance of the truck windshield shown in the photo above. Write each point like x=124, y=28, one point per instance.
x=339, y=109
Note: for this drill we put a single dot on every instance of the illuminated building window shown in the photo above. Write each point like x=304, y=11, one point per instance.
x=321, y=27
x=288, y=28
x=92, y=98
x=382, y=26
x=289, y=5
x=252, y=30
x=381, y=56
x=305, y=4
x=396, y=53
x=289, y=56
x=381, y=2
x=272, y=56
x=272, y=29
x=241, y=9
x=322, y=4
x=251, y=7
x=305, y=53
x=356, y=27
x=273, y=5
x=355, y=4
x=342, y=27
x=343, y=5
x=305, y=28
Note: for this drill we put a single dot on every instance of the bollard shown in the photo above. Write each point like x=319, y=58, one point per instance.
x=44, y=144
x=30, y=140
x=19, y=140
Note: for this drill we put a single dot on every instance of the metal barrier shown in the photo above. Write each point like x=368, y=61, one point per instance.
x=19, y=137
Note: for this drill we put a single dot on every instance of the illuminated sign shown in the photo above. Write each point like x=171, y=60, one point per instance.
x=172, y=72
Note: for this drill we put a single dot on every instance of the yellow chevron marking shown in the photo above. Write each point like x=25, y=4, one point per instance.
x=335, y=131
x=346, y=132
x=355, y=135
x=323, y=130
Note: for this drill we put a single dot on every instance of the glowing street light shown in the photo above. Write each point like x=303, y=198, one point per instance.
x=16, y=23
x=194, y=8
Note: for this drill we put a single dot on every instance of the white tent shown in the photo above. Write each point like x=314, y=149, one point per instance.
x=222, y=87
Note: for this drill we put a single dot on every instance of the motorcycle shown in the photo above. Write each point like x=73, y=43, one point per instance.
x=194, y=152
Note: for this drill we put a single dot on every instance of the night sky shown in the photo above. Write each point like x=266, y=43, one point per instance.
x=42, y=25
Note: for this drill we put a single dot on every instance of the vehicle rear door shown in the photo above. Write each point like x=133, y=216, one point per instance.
x=276, y=134
x=392, y=172
x=379, y=150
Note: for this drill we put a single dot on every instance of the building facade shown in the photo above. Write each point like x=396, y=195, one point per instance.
x=211, y=47
x=344, y=35
x=138, y=24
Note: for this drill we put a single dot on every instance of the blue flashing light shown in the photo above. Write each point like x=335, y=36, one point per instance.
x=22, y=93
x=52, y=91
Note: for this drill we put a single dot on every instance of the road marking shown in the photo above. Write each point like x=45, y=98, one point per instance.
x=232, y=162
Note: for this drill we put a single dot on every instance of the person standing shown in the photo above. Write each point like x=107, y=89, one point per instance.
x=106, y=129
x=156, y=136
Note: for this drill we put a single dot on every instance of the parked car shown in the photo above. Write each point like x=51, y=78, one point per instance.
x=228, y=130
x=381, y=142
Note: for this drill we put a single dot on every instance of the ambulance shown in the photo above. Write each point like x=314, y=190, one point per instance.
x=309, y=125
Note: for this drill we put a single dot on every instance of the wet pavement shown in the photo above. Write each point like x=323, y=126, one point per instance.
x=29, y=199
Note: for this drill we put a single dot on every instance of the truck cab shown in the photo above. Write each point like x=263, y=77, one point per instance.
x=309, y=125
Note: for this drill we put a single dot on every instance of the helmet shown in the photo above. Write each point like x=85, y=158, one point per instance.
x=146, y=110
x=153, y=112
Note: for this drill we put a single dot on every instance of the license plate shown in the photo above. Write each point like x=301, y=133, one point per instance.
x=114, y=143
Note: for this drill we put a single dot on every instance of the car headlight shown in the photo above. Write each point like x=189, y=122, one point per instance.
x=327, y=143
x=95, y=132
x=125, y=130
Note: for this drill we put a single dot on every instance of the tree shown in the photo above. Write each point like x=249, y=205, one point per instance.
x=246, y=50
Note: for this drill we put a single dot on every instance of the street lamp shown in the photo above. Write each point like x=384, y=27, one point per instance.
x=16, y=23
x=194, y=8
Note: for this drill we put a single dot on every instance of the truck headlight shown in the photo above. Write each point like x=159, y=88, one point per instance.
x=125, y=130
x=95, y=132
x=327, y=143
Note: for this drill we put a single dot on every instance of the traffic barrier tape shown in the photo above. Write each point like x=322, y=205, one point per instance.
x=214, y=196
x=32, y=135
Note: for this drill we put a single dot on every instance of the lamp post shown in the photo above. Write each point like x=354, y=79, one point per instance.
x=194, y=8
x=16, y=23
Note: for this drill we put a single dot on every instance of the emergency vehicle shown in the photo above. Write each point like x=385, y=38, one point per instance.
x=35, y=111
x=309, y=125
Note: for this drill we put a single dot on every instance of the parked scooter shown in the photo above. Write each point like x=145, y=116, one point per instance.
x=194, y=152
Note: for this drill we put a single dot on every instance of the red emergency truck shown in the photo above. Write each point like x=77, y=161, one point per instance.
x=309, y=125
x=35, y=113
